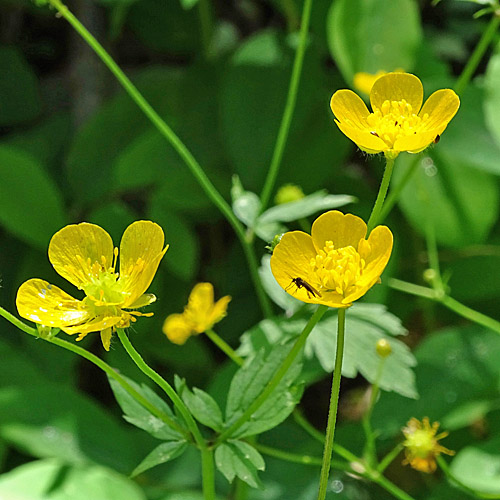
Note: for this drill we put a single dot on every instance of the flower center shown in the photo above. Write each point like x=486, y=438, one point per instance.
x=395, y=119
x=336, y=269
x=421, y=443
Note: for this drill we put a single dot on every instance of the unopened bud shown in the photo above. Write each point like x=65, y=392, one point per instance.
x=383, y=348
x=288, y=193
x=272, y=244
x=429, y=275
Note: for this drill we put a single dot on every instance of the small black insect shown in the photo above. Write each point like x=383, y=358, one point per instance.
x=300, y=283
x=436, y=139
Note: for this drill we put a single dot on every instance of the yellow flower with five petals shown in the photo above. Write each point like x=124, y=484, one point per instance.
x=398, y=121
x=200, y=314
x=84, y=255
x=421, y=445
x=336, y=264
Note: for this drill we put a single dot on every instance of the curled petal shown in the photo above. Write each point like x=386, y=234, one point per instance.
x=342, y=229
x=75, y=248
x=141, y=250
x=46, y=304
x=219, y=310
x=396, y=87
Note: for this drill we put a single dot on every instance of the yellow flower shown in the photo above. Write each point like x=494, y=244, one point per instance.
x=334, y=266
x=200, y=314
x=421, y=445
x=84, y=255
x=398, y=121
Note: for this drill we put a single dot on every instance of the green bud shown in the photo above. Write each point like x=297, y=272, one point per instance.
x=288, y=193
x=47, y=332
x=429, y=275
x=383, y=348
x=272, y=245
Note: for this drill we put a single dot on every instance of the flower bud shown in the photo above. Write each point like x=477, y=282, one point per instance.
x=383, y=348
x=288, y=193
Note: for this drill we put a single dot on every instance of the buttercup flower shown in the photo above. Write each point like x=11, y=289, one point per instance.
x=364, y=81
x=398, y=121
x=200, y=314
x=84, y=255
x=335, y=265
x=421, y=444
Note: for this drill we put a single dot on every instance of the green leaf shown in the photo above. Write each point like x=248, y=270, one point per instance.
x=249, y=382
x=161, y=454
x=478, y=467
x=457, y=372
x=373, y=35
x=365, y=325
x=19, y=92
x=246, y=204
x=461, y=202
x=203, y=407
x=238, y=459
x=31, y=206
x=45, y=479
x=139, y=416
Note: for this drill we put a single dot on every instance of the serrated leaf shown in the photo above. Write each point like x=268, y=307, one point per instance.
x=202, y=406
x=363, y=330
x=249, y=382
x=139, y=416
x=161, y=454
x=239, y=459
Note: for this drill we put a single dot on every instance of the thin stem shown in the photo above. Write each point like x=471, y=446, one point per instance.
x=433, y=256
x=334, y=401
x=477, y=55
x=412, y=289
x=388, y=459
x=273, y=383
x=390, y=487
x=177, y=144
x=208, y=473
x=103, y=366
x=206, y=25
x=379, y=202
x=444, y=467
x=396, y=191
x=291, y=100
x=224, y=347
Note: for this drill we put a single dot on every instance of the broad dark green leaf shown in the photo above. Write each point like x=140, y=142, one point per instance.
x=460, y=202
x=202, y=406
x=239, y=459
x=31, y=206
x=42, y=479
x=249, y=382
x=478, y=466
x=19, y=93
x=161, y=454
x=139, y=416
x=457, y=379
x=365, y=325
x=373, y=35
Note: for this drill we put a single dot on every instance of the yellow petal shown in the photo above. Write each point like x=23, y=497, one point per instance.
x=349, y=109
x=96, y=324
x=363, y=138
x=106, y=338
x=200, y=306
x=177, y=328
x=141, y=251
x=48, y=305
x=74, y=249
x=143, y=301
x=416, y=142
x=219, y=311
x=342, y=230
x=290, y=260
x=396, y=87
x=441, y=107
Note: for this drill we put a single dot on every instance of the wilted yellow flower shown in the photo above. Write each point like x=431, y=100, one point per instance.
x=200, y=314
x=421, y=445
x=398, y=121
x=84, y=255
x=334, y=266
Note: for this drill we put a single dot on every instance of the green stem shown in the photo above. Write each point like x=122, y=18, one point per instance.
x=447, y=301
x=388, y=459
x=477, y=55
x=206, y=454
x=206, y=25
x=177, y=144
x=379, y=202
x=291, y=100
x=390, y=487
x=273, y=383
x=444, y=467
x=103, y=366
x=224, y=347
x=334, y=401
x=396, y=191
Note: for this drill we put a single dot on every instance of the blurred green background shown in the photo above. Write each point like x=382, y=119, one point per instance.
x=74, y=147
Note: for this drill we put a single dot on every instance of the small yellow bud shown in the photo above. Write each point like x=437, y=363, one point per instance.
x=288, y=193
x=429, y=275
x=383, y=348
